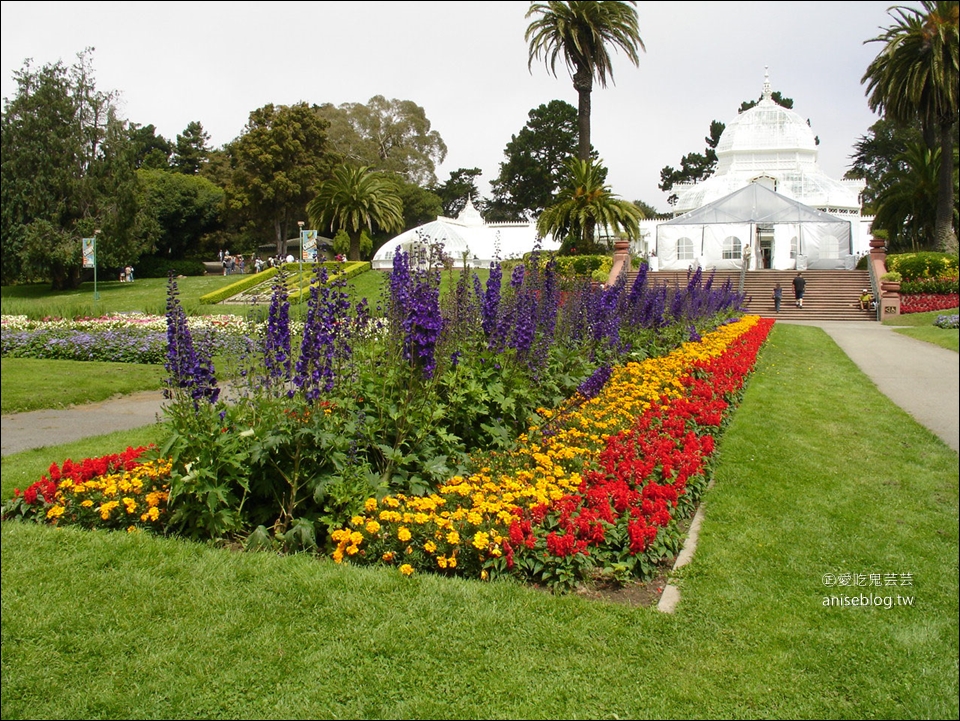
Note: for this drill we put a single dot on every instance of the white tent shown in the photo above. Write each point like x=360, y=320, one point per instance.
x=756, y=226
x=466, y=238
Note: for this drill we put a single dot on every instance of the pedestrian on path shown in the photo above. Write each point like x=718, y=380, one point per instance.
x=777, y=297
x=799, y=285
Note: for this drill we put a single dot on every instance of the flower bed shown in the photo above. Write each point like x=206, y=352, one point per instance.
x=124, y=338
x=119, y=491
x=596, y=489
x=926, y=302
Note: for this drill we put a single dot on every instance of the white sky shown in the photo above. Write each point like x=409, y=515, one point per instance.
x=465, y=63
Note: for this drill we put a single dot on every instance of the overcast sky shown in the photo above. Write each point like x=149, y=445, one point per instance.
x=465, y=63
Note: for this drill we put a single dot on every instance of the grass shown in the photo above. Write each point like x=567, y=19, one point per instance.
x=28, y=384
x=920, y=326
x=138, y=627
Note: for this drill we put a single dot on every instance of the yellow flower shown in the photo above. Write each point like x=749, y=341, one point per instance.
x=480, y=540
x=338, y=556
x=106, y=509
x=370, y=505
x=406, y=569
x=403, y=533
x=429, y=546
x=442, y=561
x=87, y=503
x=372, y=527
x=453, y=538
x=55, y=511
x=356, y=521
x=388, y=557
x=484, y=575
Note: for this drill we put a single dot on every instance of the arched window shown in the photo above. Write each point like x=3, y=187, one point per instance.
x=732, y=248
x=684, y=249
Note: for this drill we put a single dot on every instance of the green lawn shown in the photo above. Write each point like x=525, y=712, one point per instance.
x=817, y=474
x=920, y=326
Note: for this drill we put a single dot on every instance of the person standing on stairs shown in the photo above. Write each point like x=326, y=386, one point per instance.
x=799, y=285
x=777, y=297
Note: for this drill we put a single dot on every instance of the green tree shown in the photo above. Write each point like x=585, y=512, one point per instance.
x=183, y=207
x=916, y=76
x=536, y=163
x=67, y=170
x=454, y=192
x=580, y=33
x=354, y=199
x=152, y=150
x=878, y=158
x=277, y=165
x=585, y=204
x=906, y=202
x=694, y=167
x=192, y=149
x=392, y=136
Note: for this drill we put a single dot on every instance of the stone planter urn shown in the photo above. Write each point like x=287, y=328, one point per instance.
x=889, y=286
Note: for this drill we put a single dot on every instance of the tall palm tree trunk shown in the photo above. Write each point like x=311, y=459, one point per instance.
x=946, y=237
x=583, y=84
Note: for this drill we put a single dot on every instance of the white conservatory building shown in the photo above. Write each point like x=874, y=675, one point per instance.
x=797, y=218
x=466, y=239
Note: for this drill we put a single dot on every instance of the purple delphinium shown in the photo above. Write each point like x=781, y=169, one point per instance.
x=490, y=305
x=276, y=346
x=189, y=370
x=325, y=342
x=595, y=383
x=422, y=325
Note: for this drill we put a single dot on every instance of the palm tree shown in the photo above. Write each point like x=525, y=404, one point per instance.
x=356, y=198
x=916, y=77
x=583, y=205
x=906, y=204
x=580, y=32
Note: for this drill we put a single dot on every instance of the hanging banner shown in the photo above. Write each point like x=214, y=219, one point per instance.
x=89, y=246
x=308, y=244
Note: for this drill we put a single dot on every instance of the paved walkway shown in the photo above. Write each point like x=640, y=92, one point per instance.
x=921, y=378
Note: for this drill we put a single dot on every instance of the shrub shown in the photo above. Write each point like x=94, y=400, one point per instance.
x=927, y=264
x=153, y=267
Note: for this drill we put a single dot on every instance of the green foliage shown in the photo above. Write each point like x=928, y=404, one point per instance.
x=933, y=286
x=192, y=149
x=277, y=164
x=353, y=199
x=150, y=266
x=457, y=189
x=68, y=170
x=924, y=265
x=535, y=165
x=390, y=136
x=183, y=208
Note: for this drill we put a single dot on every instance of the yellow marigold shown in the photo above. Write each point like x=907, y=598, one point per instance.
x=356, y=521
x=107, y=508
x=480, y=540
x=132, y=529
x=391, y=501
x=352, y=550
x=452, y=562
x=453, y=538
x=130, y=504
x=406, y=569
x=403, y=533
x=356, y=538
x=372, y=527
x=484, y=575
x=475, y=518
x=370, y=505
x=388, y=557
x=429, y=546
x=55, y=511
x=442, y=561
x=340, y=534
x=86, y=503
x=338, y=556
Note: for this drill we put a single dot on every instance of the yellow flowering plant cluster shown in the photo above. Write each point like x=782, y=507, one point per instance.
x=120, y=491
x=473, y=525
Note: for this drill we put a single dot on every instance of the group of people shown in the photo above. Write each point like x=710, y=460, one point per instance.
x=237, y=264
x=126, y=274
x=799, y=287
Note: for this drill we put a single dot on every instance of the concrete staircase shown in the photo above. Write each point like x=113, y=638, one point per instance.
x=829, y=295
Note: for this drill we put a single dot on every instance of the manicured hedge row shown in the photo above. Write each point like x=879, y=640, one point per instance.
x=346, y=270
x=245, y=283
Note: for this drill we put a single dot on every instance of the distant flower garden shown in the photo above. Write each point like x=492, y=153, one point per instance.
x=127, y=338
x=537, y=427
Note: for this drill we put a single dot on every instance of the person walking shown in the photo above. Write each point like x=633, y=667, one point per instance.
x=777, y=297
x=799, y=285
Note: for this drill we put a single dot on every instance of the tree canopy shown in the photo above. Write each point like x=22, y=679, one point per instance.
x=582, y=34
x=392, y=136
x=916, y=77
x=277, y=165
x=67, y=171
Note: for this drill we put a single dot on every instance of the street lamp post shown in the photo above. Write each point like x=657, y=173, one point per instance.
x=96, y=295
